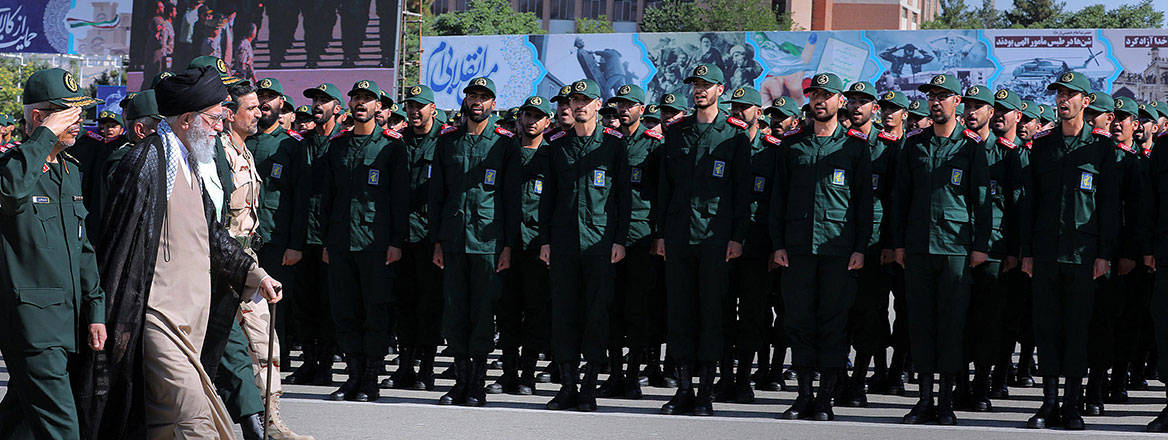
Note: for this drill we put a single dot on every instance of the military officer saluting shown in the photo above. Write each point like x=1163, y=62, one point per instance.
x=941, y=225
x=48, y=283
x=474, y=216
x=1070, y=226
x=821, y=224
x=704, y=200
x=365, y=202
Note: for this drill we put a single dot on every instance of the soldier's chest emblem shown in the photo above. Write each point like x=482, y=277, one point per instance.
x=955, y=176
x=875, y=182
x=374, y=177
x=719, y=168
x=598, y=178
x=539, y=186
x=636, y=175
x=838, y=177
x=1087, y=181
x=759, y=184
x=993, y=187
x=489, y=177
x=277, y=170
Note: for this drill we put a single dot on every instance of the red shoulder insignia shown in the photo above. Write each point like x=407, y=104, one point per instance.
x=558, y=135
x=339, y=134
x=1029, y=145
x=796, y=130
x=1148, y=152
x=673, y=121
x=504, y=132
x=390, y=133
x=888, y=136
x=773, y=140
x=96, y=136
x=1006, y=143
x=1101, y=132
x=972, y=135
x=1041, y=134
x=295, y=135
x=1126, y=148
x=857, y=134
x=736, y=122
x=654, y=134
x=611, y=132
x=6, y=147
x=449, y=129
x=914, y=132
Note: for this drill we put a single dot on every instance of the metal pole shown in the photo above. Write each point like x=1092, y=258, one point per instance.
x=271, y=365
x=397, y=38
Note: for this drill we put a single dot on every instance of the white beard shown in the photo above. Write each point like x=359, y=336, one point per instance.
x=202, y=147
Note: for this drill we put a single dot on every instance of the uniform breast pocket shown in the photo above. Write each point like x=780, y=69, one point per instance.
x=48, y=219
x=369, y=214
x=44, y=317
x=80, y=212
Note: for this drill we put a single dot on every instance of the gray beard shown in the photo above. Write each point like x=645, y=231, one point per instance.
x=202, y=150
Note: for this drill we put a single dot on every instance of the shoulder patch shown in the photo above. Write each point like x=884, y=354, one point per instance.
x=1126, y=148
x=449, y=129
x=295, y=135
x=391, y=133
x=339, y=134
x=558, y=135
x=504, y=132
x=793, y=131
x=1006, y=143
x=611, y=132
x=70, y=158
x=857, y=134
x=1041, y=134
x=1029, y=145
x=972, y=135
x=673, y=122
x=914, y=132
x=888, y=136
x=1101, y=132
x=773, y=140
x=95, y=136
x=654, y=134
x=736, y=122
x=1148, y=152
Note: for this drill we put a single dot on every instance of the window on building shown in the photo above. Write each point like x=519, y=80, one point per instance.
x=904, y=13
x=534, y=6
x=593, y=8
x=440, y=7
x=459, y=5
x=624, y=10
x=916, y=18
x=562, y=10
x=779, y=6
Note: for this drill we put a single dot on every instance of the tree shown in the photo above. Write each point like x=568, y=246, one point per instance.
x=13, y=75
x=712, y=16
x=672, y=16
x=1140, y=15
x=1036, y=13
x=598, y=25
x=487, y=17
x=954, y=15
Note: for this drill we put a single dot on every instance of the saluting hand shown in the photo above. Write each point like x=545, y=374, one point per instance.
x=59, y=121
x=618, y=253
x=392, y=255
x=97, y=337
x=856, y=262
x=733, y=250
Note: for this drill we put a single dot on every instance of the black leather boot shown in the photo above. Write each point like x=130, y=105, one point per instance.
x=924, y=411
x=704, y=402
x=632, y=381
x=763, y=368
x=425, y=377
x=457, y=393
x=1160, y=423
x=669, y=372
x=879, y=368
x=804, y=402
x=614, y=386
x=476, y=390
x=894, y=381
x=527, y=377
x=854, y=394
x=1048, y=414
x=252, y=427
x=1072, y=399
x=724, y=389
x=1118, y=392
x=368, y=389
x=654, y=376
x=586, y=399
x=354, y=367
x=961, y=392
x=998, y=387
x=324, y=370
x=827, y=389
x=945, y=415
x=1137, y=377
x=567, y=396
x=550, y=373
x=405, y=377
x=508, y=382
x=1093, y=403
x=742, y=391
x=1025, y=376
x=979, y=393
x=682, y=401
x=307, y=369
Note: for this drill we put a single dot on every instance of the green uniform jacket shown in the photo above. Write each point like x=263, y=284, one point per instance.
x=585, y=204
x=823, y=202
x=366, y=196
x=885, y=147
x=1158, y=197
x=1018, y=165
x=999, y=156
x=474, y=191
x=420, y=153
x=535, y=172
x=283, y=211
x=223, y=167
x=704, y=187
x=765, y=151
x=940, y=201
x=1135, y=239
x=1071, y=211
x=644, y=150
x=315, y=147
x=49, y=287
x=91, y=150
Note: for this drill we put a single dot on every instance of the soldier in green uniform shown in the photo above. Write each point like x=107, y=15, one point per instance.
x=584, y=225
x=417, y=303
x=820, y=227
x=1158, y=207
x=784, y=113
x=672, y=107
x=918, y=115
x=747, y=308
x=523, y=306
x=941, y=225
x=366, y=200
x=474, y=219
x=651, y=118
x=1070, y=225
x=49, y=281
x=868, y=323
x=704, y=198
x=563, y=119
x=91, y=150
x=315, y=324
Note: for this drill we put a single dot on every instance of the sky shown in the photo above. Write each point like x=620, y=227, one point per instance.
x=1075, y=5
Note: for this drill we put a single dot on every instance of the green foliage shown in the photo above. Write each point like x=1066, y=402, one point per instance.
x=1036, y=13
x=110, y=78
x=712, y=16
x=487, y=17
x=1140, y=15
x=954, y=15
x=1044, y=14
x=12, y=78
x=598, y=25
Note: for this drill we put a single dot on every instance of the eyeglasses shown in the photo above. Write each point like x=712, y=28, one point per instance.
x=940, y=96
x=215, y=118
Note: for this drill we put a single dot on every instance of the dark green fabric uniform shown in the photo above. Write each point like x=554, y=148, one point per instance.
x=748, y=311
x=637, y=274
x=821, y=213
x=1070, y=217
x=524, y=304
x=418, y=298
x=584, y=210
x=91, y=150
x=366, y=201
x=1158, y=208
x=474, y=214
x=703, y=198
x=316, y=326
x=49, y=287
x=940, y=214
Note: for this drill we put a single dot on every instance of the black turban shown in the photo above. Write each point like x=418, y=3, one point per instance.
x=190, y=91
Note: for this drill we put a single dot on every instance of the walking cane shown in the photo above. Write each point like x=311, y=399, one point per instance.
x=268, y=383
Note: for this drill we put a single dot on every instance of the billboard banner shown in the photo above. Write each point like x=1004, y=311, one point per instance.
x=80, y=27
x=112, y=95
x=1123, y=62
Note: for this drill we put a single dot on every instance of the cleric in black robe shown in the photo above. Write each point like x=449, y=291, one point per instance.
x=111, y=394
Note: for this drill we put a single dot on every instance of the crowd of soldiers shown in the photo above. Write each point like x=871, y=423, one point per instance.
x=589, y=233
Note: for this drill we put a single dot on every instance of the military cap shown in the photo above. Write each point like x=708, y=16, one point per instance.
x=828, y=82
x=563, y=95
x=538, y=104
x=1030, y=109
x=1072, y=80
x=1159, y=108
x=919, y=107
x=326, y=91
x=1126, y=105
x=652, y=111
x=5, y=120
x=979, y=93
x=784, y=107
x=420, y=94
x=608, y=109
x=586, y=87
x=1101, y=102
x=673, y=101
x=139, y=105
x=107, y=115
x=1147, y=111
x=631, y=93
x=708, y=72
x=860, y=88
x=746, y=95
x=366, y=86
x=893, y=99
x=58, y=87
x=289, y=105
x=217, y=63
x=945, y=81
x=481, y=82
x=1008, y=100
x=1047, y=113
x=159, y=77
x=509, y=115
x=271, y=85
x=304, y=110
x=396, y=109
x=440, y=115
x=764, y=119
x=386, y=100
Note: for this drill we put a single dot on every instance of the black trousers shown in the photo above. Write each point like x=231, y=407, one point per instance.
x=417, y=297
x=470, y=288
x=582, y=290
x=818, y=291
x=522, y=310
x=354, y=20
x=636, y=312
x=283, y=16
x=361, y=285
x=320, y=18
x=868, y=326
x=311, y=312
x=1159, y=316
x=1018, y=322
x=983, y=329
x=1064, y=295
x=1134, y=299
x=747, y=310
x=938, y=289
x=697, y=277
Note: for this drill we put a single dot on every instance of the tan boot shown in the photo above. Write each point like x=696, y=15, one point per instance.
x=277, y=430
